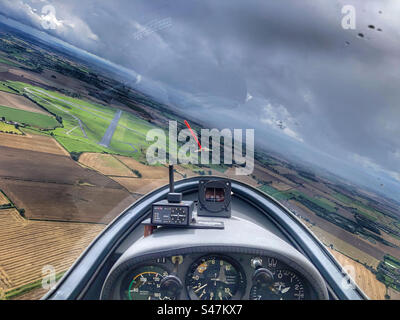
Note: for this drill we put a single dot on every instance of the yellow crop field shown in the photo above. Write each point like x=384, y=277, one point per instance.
x=8, y=128
x=27, y=246
x=280, y=186
x=365, y=279
x=32, y=142
x=231, y=173
x=3, y=199
x=140, y=186
x=149, y=172
x=106, y=164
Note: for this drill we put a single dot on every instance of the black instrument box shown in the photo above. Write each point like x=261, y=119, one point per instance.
x=165, y=213
x=214, y=198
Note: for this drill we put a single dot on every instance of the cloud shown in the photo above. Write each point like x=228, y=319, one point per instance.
x=45, y=16
x=311, y=81
x=365, y=162
x=370, y=164
x=395, y=175
x=278, y=118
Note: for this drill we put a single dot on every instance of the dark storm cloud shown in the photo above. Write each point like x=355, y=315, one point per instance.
x=286, y=63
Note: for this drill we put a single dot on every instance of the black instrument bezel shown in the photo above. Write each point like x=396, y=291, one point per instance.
x=129, y=275
x=241, y=284
x=214, y=209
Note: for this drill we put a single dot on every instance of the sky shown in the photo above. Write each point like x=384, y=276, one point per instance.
x=311, y=88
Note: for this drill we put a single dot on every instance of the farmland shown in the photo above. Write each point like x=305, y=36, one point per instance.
x=9, y=62
x=5, y=88
x=146, y=171
x=32, y=142
x=136, y=177
x=61, y=202
x=369, y=247
x=29, y=177
x=342, y=218
x=19, y=102
x=8, y=128
x=54, y=243
x=106, y=164
x=3, y=199
x=47, y=167
x=364, y=278
x=141, y=186
x=359, y=253
x=28, y=118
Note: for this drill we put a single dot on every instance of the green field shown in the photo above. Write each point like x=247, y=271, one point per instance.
x=131, y=130
x=296, y=194
x=342, y=198
x=268, y=189
x=4, y=87
x=85, y=123
x=72, y=144
x=324, y=203
x=9, y=62
x=29, y=118
x=362, y=208
x=392, y=260
x=278, y=195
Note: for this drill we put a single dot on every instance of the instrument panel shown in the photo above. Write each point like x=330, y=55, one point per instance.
x=210, y=276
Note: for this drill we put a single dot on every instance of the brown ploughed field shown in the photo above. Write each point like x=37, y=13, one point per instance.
x=19, y=102
x=63, y=202
x=54, y=187
x=33, y=142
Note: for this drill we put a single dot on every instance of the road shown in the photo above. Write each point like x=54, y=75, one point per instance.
x=105, y=141
x=75, y=117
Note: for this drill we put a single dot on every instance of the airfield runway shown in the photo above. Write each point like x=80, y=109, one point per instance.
x=105, y=141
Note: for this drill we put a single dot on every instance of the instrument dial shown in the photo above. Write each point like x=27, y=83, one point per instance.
x=215, y=278
x=285, y=285
x=144, y=283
